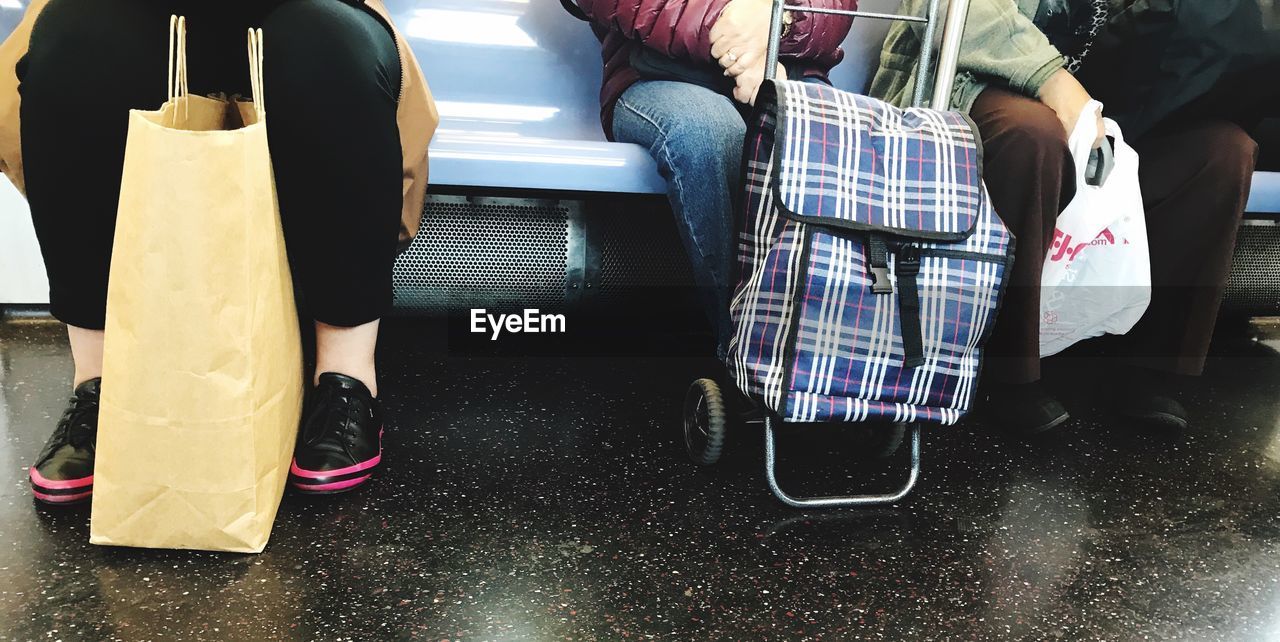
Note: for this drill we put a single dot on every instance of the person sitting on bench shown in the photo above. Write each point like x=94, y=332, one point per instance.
x=351, y=120
x=1195, y=176
x=679, y=78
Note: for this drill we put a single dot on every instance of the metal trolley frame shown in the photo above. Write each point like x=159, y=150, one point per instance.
x=705, y=414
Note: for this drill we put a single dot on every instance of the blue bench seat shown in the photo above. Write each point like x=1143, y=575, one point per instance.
x=1264, y=198
x=538, y=128
x=475, y=160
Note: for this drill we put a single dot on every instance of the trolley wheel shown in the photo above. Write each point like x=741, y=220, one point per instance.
x=704, y=422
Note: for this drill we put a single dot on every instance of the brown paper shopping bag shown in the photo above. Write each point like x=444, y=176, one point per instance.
x=202, y=375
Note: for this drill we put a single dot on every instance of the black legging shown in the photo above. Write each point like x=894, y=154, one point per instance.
x=332, y=81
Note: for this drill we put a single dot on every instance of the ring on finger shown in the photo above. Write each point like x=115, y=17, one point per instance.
x=733, y=57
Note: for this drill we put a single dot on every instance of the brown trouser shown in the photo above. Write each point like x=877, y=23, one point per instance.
x=1195, y=182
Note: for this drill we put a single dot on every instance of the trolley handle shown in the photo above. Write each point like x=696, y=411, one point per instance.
x=957, y=14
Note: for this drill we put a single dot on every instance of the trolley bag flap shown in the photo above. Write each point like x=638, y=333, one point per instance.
x=848, y=161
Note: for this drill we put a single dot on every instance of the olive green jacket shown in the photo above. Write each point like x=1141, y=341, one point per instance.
x=1001, y=46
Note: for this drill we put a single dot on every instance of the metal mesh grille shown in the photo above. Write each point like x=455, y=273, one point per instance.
x=639, y=250
x=513, y=252
x=1254, y=284
x=484, y=252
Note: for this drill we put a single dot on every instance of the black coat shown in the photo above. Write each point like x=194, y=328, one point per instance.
x=1159, y=61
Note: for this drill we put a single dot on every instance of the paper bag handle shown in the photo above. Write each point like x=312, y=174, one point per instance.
x=255, y=71
x=178, y=87
x=177, y=57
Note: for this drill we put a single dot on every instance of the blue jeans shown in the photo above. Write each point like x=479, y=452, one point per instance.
x=696, y=136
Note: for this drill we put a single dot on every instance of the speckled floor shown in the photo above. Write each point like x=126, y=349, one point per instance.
x=549, y=498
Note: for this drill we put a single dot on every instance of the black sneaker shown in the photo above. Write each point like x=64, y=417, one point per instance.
x=1026, y=409
x=1149, y=398
x=63, y=472
x=340, y=444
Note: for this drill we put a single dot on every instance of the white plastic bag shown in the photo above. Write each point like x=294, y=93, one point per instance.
x=1097, y=275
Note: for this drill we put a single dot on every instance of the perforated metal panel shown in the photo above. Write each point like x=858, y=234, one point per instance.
x=550, y=254
x=1254, y=285
x=512, y=253
x=485, y=252
x=639, y=251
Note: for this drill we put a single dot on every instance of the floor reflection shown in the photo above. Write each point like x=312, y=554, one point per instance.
x=548, y=498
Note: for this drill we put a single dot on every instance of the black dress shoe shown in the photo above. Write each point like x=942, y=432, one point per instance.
x=1026, y=409
x=1150, y=400
x=340, y=440
x=63, y=472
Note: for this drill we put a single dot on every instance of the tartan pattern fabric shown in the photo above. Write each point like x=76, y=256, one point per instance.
x=812, y=341
x=862, y=162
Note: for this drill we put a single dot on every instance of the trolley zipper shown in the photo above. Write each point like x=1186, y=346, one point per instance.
x=797, y=303
x=962, y=254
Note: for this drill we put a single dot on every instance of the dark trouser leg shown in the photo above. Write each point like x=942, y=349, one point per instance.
x=89, y=63
x=1030, y=175
x=695, y=135
x=1195, y=183
x=333, y=81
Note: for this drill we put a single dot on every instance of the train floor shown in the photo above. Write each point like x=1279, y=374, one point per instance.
x=549, y=498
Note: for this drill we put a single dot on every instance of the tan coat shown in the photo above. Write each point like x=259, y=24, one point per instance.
x=416, y=115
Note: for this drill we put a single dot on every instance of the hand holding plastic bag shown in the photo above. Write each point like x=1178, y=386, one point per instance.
x=1097, y=275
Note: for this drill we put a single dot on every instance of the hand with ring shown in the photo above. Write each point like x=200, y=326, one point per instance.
x=740, y=36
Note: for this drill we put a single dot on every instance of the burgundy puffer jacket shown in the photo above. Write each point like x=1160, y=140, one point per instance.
x=682, y=29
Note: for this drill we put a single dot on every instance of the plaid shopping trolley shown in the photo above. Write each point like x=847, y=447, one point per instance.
x=870, y=271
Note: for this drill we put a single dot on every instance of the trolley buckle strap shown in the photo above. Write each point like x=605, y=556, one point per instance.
x=878, y=263
x=908, y=271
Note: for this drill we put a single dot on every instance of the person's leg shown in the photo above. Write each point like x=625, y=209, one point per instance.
x=86, y=353
x=1029, y=172
x=89, y=63
x=1195, y=182
x=695, y=135
x=332, y=88
x=348, y=351
x=333, y=82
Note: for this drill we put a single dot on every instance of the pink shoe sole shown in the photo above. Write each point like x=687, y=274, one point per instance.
x=60, y=492
x=328, y=482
